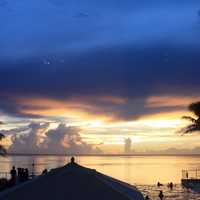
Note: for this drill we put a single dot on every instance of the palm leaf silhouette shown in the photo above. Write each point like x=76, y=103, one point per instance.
x=195, y=122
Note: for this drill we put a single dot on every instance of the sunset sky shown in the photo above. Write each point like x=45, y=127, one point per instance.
x=82, y=76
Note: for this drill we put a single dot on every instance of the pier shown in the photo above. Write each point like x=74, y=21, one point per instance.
x=191, y=179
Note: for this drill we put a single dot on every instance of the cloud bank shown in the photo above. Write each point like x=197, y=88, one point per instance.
x=36, y=138
x=93, y=79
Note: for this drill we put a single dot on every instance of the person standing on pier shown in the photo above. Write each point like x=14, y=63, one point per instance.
x=187, y=174
x=13, y=174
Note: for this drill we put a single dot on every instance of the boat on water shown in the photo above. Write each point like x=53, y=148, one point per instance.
x=191, y=179
x=73, y=182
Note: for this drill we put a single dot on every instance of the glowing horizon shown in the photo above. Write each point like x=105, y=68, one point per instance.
x=149, y=133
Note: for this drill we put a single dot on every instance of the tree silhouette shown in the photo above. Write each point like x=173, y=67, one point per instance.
x=195, y=122
x=2, y=149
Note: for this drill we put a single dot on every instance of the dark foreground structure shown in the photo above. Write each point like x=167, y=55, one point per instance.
x=73, y=182
x=191, y=179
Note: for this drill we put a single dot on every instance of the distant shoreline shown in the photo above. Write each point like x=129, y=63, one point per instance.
x=101, y=155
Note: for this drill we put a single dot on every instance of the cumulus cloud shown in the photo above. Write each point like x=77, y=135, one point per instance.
x=37, y=139
x=28, y=139
x=65, y=139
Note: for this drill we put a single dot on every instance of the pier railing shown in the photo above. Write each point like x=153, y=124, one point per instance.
x=191, y=174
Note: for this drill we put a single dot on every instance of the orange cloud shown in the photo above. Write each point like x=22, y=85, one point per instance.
x=164, y=101
x=71, y=108
x=166, y=115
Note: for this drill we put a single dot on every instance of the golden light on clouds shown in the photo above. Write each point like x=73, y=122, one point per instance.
x=163, y=123
x=6, y=141
x=69, y=109
x=102, y=129
x=164, y=101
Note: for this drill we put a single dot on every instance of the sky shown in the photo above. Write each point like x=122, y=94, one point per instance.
x=85, y=76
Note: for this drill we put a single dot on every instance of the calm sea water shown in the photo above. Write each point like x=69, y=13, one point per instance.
x=142, y=171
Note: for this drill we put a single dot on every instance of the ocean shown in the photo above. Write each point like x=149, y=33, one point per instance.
x=142, y=171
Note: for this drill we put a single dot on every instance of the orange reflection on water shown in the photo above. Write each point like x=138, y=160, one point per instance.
x=131, y=169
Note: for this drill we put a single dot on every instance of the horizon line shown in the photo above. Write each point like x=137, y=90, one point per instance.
x=138, y=154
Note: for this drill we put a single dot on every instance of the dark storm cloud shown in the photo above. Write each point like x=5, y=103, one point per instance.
x=121, y=72
x=133, y=49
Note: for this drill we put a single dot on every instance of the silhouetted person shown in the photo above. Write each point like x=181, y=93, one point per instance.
x=19, y=173
x=147, y=198
x=72, y=160
x=168, y=185
x=161, y=195
x=13, y=174
x=187, y=174
x=159, y=184
x=26, y=174
x=33, y=169
x=171, y=185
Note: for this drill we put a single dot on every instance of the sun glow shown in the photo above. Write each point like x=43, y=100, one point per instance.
x=164, y=123
x=95, y=124
x=104, y=129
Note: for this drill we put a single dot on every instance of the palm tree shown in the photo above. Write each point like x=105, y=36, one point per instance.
x=2, y=149
x=195, y=122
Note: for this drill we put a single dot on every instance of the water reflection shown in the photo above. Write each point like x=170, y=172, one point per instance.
x=144, y=171
x=136, y=169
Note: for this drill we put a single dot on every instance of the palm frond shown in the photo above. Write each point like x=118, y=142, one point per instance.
x=190, y=128
x=195, y=125
x=195, y=108
x=189, y=118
